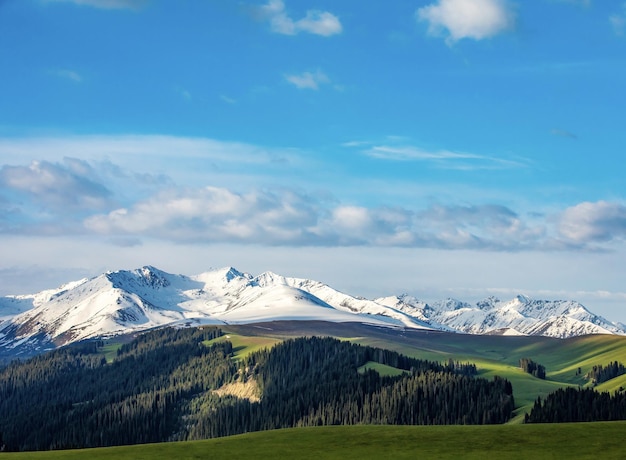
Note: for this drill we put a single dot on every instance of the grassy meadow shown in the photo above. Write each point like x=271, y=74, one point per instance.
x=550, y=441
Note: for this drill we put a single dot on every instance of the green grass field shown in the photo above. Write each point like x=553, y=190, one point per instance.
x=244, y=345
x=110, y=351
x=550, y=441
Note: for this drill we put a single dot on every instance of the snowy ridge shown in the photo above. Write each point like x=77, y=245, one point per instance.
x=128, y=301
x=519, y=316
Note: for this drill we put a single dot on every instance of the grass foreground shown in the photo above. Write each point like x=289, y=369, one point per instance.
x=547, y=441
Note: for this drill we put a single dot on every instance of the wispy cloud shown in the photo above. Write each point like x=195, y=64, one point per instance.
x=308, y=80
x=563, y=133
x=68, y=75
x=315, y=22
x=105, y=4
x=228, y=100
x=442, y=158
x=459, y=19
x=184, y=93
x=618, y=21
x=137, y=149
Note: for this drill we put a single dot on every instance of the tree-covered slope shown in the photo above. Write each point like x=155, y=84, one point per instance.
x=165, y=385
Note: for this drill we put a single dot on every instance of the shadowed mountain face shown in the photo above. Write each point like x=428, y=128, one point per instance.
x=128, y=301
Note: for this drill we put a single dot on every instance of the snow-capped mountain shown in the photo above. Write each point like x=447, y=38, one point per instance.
x=127, y=301
x=519, y=316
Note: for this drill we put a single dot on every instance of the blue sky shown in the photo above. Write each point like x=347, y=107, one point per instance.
x=459, y=148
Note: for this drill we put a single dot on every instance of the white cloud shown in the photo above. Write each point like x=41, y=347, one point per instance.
x=308, y=80
x=105, y=4
x=315, y=22
x=319, y=23
x=459, y=19
x=588, y=223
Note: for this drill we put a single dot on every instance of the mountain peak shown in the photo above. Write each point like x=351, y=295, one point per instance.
x=521, y=298
x=230, y=273
x=153, y=276
x=146, y=276
x=269, y=279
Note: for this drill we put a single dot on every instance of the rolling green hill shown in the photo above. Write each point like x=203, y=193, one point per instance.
x=493, y=354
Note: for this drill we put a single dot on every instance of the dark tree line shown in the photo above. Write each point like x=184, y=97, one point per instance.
x=315, y=381
x=72, y=398
x=160, y=387
x=578, y=405
x=533, y=368
x=461, y=368
x=599, y=373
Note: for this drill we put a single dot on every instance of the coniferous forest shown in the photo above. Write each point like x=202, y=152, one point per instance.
x=578, y=405
x=161, y=387
x=532, y=368
x=599, y=373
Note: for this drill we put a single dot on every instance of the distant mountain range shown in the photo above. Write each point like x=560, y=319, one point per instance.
x=122, y=302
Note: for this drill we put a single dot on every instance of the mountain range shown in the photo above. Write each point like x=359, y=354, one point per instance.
x=127, y=301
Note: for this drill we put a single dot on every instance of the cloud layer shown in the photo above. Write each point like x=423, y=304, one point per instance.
x=125, y=202
x=285, y=217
